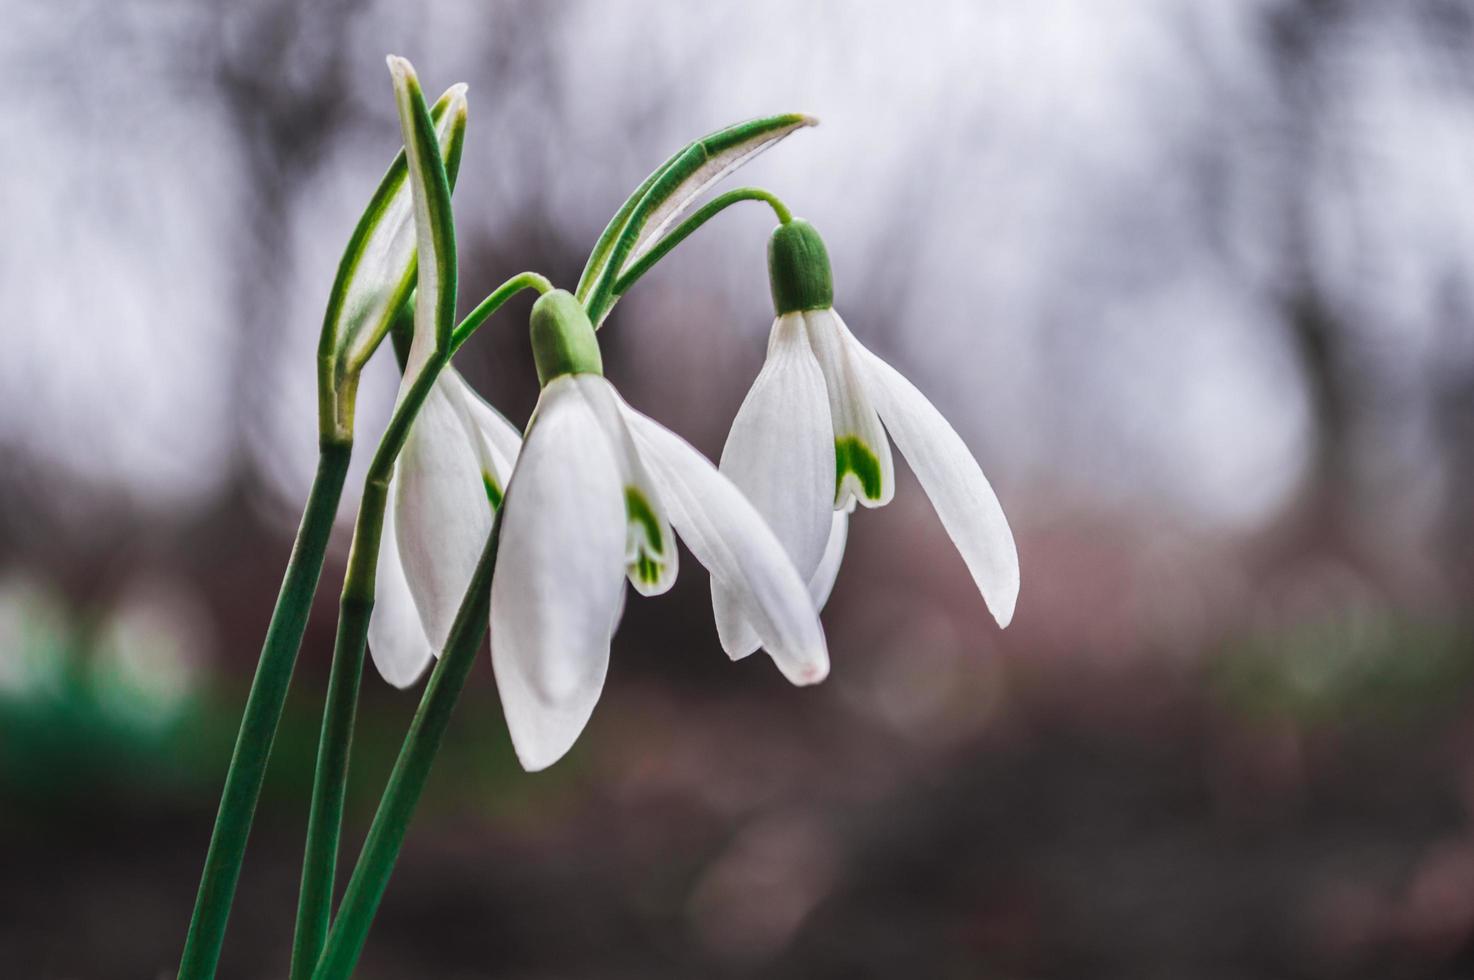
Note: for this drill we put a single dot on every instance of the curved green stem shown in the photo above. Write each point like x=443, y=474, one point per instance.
x=683, y=231
x=672, y=186
x=492, y=303
x=329, y=785
x=262, y=713
x=407, y=781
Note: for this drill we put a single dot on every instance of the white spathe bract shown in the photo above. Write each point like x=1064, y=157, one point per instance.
x=599, y=494
x=446, y=486
x=783, y=438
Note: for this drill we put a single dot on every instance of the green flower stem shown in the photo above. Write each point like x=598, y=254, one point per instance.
x=492, y=303
x=329, y=785
x=325, y=817
x=683, y=231
x=262, y=713
x=407, y=781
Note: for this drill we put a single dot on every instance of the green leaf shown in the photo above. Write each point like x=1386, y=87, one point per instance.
x=668, y=192
x=377, y=271
x=435, y=246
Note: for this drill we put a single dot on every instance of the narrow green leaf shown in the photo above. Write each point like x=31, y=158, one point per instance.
x=435, y=247
x=377, y=271
x=668, y=192
x=599, y=257
x=721, y=154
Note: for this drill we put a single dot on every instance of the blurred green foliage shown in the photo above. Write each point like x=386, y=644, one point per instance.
x=1347, y=667
x=89, y=713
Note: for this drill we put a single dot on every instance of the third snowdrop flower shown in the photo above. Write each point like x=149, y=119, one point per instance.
x=599, y=493
x=810, y=441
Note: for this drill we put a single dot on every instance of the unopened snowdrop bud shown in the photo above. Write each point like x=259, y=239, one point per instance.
x=563, y=339
x=798, y=269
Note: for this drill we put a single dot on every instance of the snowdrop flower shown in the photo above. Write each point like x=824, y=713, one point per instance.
x=447, y=485
x=598, y=496
x=810, y=441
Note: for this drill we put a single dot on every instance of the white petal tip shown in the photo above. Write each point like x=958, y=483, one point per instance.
x=400, y=675
x=810, y=674
x=741, y=651
x=400, y=68
x=536, y=759
x=1003, y=610
x=1003, y=618
x=401, y=683
x=802, y=673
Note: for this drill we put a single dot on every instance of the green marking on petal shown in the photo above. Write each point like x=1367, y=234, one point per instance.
x=648, y=569
x=493, y=490
x=851, y=455
x=641, y=513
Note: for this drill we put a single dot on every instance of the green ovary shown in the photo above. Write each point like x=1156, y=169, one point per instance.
x=853, y=456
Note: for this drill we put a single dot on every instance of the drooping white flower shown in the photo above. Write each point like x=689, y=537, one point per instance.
x=810, y=442
x=599, y=494
x=447, y=484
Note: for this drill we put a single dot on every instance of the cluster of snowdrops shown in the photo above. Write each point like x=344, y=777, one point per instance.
x=466, y=524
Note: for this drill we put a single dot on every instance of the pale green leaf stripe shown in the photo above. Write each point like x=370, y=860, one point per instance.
x=435, y=294
x=671, y=189
x=377, y=270
x=724, y=153
x=599, y=257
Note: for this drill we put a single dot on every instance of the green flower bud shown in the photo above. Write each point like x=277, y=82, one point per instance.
x=798, y=269
x=563, y=338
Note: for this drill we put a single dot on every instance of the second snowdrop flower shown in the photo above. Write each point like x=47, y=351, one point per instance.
x=810, y=442
x=599, y=493
x=447, y=484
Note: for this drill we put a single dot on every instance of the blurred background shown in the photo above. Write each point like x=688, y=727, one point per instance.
x=1195, y=281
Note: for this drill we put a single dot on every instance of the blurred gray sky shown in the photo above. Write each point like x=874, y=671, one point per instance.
x=1166, y=264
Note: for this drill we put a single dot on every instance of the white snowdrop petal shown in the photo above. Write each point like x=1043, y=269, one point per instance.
x=737, y=636
x=495, y=442
x=442, y=511
x=396, y=639
x=952, y=479
x=651, y=557
x=559, y=585
x=780, y=454
x=821, y=583
x=863, y=467
x=728, y=536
